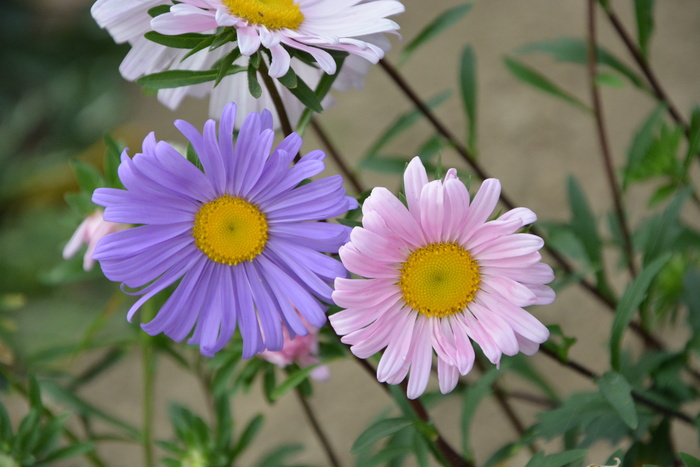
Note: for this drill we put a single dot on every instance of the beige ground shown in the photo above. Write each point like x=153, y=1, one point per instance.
x=527, y=139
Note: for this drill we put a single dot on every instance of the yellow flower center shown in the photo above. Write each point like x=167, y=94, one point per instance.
x=439, y=279
x=273, y=14
x=230, y=230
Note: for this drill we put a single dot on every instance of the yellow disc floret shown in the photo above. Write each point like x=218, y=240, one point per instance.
x=230, y=230
x=273, y=14
x=439, y=279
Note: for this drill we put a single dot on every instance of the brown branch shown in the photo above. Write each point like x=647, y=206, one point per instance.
x=320, y=434
x=603, y=140
x=335, y=155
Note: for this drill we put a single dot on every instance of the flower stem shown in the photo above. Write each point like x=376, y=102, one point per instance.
x=603, y=140
x=335, y=155
x=320, y=434
x=148, y=375
x=452, y=457
x=276, y=99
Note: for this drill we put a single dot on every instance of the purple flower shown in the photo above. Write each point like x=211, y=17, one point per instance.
x=238, y=236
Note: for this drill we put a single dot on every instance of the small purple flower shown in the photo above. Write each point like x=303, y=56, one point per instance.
x=238, y=236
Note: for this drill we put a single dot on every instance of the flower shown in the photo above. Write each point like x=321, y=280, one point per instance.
x=439, y=275
x=238, y=236
x=128, y=21
x=89, y=232
x=306, y=25
x=302, y=350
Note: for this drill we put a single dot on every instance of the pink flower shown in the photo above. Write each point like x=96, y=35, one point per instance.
x=439, y=276
x=89, y=232
x=302, y=350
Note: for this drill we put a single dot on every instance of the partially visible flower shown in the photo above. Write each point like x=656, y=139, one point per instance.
x=89, y=232
x=306, y=25
x=128, y=21
x=439, y=275
x=302, y=350
x=239, y=237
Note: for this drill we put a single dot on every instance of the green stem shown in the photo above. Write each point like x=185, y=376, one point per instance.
x=148, y=375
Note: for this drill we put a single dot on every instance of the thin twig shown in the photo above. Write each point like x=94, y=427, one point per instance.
x=320, y=434
x=603, y=140
x=502, y=399
x=447, y=451
x=347, y=173
x=643, y=65
x=592, y=375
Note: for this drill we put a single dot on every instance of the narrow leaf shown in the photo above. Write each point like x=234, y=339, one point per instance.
x=528, y=75
x=559, y=459
x=575, y=50
x=688, y=460
x=180, y=41
x=642, y=141
x=226, y=63
x=253, y=84
x=178, y=78
x=630, y=301
x=379, y=430
x=294, y=380
x=644, y=12
x=467, y=84
x=306, y=95
x=438, y=25
x=618, y=392
x=68, y=452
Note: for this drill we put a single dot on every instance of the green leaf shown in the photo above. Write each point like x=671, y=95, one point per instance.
x=575, y=50
x=289, y=80
x=34, y=394
x=306, y=96
x=322, y=88
x=253, y=85
x=249, y=433
x=559, y=459
x=583, y=223
x=226, y=63
x=88, y=177
x=532, y=77
x=68, y=452
x=558, y=342
x=403, y=123
x=112, y=160
x=473, y=396
x=180, y=41
x=642, y=141
x=631, y=299
x=394, y=165
x=618, y=392
x=78, y=405
x=434, y=28
x=688, y=460
x=379, y=430
x=278, y=455
x=178, y=78
x=159, y=10
x=644, y=12
x=609, y=79
x=294, y=380
x=467, y=85
x=5, y=423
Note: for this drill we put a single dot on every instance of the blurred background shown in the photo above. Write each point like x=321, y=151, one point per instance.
x=60, y=92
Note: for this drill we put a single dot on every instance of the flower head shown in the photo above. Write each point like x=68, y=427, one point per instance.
x=306, y=25
x=238, y=236
x=302, y=350
x=438, y=276
x=128, y=21
x=89, y=232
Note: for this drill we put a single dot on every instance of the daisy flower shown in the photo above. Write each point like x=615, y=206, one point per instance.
x=89, y=232
x=128, y=21
x=439, y=276
x=306, y=25
x=239, y=236
x=302, y=350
